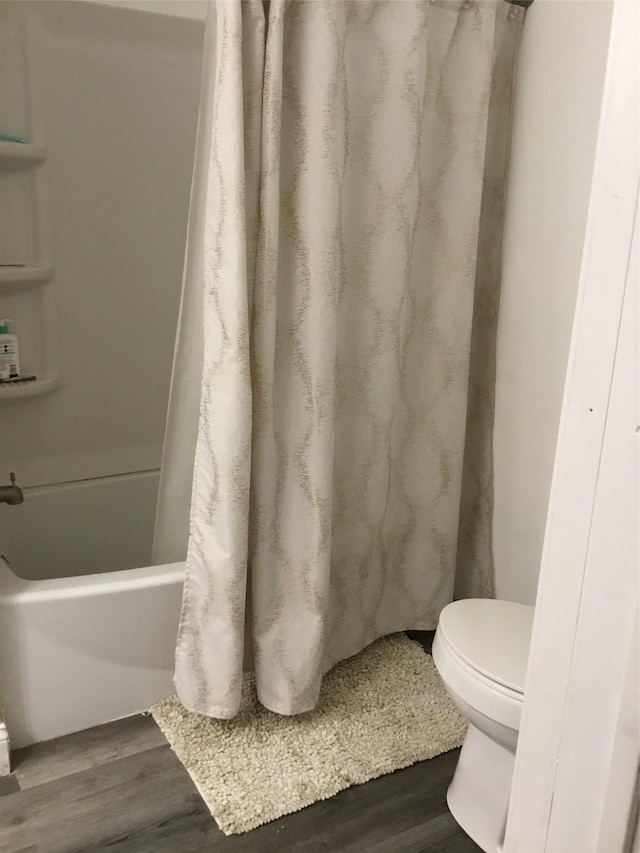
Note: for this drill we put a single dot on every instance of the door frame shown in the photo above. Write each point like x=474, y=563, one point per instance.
x=575, y=775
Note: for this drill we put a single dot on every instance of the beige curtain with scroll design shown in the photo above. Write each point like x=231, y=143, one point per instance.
x=351, y=232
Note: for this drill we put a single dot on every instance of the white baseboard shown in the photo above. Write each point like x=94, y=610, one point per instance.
x=5, y=763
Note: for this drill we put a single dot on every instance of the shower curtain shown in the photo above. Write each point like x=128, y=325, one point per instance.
x=327, y=465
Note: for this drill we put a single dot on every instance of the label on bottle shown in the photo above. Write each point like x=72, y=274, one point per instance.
x=8, y=361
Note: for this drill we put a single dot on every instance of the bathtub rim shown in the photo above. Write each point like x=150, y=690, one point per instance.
x=14, y=589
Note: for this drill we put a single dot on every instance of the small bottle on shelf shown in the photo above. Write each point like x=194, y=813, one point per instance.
x=9, y=354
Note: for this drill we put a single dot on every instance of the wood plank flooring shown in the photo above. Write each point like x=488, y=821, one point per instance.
x=65, y=756
x=119, y=787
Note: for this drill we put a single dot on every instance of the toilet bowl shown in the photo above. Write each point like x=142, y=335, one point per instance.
x=481, y=649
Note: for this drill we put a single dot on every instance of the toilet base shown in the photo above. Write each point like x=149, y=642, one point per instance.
x=478, y=797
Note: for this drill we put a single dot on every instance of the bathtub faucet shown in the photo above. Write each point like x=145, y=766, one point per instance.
x=12, y=494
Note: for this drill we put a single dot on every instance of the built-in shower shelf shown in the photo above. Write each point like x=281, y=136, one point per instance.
x=26, y=292
x=25, y=275
x=20, y=153
x=12, y=391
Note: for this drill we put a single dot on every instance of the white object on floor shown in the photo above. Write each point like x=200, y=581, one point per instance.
x=481, y=650
x=5, y=763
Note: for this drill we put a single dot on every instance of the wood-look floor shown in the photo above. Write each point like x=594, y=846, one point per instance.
x=119, y=787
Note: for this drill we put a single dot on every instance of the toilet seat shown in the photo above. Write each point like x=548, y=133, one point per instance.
x=481, y=649
x=492, y=637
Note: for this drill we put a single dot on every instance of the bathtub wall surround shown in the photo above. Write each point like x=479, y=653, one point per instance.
x=26, y=288
x=179, y=8
x=115, y=96
x=81, y=528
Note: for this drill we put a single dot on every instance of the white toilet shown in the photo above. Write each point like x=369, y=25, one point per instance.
x=481, y=650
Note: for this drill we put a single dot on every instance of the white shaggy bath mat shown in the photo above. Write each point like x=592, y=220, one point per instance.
x=381, y=710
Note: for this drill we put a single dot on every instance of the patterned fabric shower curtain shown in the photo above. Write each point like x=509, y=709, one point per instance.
x=339, y=308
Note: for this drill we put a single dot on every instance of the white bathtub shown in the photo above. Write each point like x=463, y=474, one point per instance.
x=79, y=651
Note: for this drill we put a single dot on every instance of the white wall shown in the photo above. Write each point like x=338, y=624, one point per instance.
x=559, y=88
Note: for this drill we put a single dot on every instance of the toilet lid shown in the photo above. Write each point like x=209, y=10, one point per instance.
x=493, y=637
